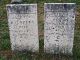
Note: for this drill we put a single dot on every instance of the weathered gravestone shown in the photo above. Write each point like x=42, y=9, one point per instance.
x=23, y=26
x=59, y=27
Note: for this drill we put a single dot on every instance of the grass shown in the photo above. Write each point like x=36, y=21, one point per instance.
x=5, y=49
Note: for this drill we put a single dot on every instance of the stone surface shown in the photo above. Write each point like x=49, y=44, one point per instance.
x=23, y=26
x=59, y=22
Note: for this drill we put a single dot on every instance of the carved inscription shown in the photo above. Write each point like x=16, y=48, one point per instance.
x=22, y=20
x=59, y=27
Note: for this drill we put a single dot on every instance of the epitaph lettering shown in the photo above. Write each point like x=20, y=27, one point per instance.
x=59, y=21
x=23, y=26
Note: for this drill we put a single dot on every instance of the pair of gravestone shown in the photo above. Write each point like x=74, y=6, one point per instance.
x=59, y=21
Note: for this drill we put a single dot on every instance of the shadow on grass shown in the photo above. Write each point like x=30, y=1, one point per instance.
x=32, y=56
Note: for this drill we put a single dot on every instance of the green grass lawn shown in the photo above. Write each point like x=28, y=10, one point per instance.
x=5, y=49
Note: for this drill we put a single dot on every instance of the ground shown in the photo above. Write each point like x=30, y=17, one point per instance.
x=5, y=48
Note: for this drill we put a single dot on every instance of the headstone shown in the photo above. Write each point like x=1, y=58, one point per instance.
x=23, y=27
x=59, y=22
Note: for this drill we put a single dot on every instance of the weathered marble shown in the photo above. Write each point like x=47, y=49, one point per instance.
x=23, y=26
x=59, y=22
